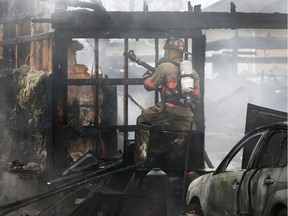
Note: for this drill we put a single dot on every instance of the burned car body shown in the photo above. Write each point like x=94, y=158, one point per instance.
x=259, y=189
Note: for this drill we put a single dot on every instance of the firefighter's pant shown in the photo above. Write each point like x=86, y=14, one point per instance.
x=178, y=118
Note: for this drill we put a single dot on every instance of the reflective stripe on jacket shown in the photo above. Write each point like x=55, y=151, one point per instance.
x=166, y=76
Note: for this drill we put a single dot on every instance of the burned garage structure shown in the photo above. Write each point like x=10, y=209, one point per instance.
x=70, y=96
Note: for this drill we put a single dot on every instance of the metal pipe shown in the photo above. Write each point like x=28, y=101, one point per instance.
x=82, y=175
x=5, y=209
x=135, y=102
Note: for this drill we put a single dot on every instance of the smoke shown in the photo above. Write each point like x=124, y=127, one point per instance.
x=153, y=5
x=229, y=88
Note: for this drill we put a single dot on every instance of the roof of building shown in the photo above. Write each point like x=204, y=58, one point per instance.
x=248, y=6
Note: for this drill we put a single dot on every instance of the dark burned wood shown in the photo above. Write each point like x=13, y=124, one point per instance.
x=22, y=15
x=5, y=72
x=60, y=53
x=130, y=81
x=198, y=59
x=28, y=38
x=146, y=24
x=94, y=130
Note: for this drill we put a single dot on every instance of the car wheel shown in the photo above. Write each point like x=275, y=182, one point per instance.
x=282, y=212
x=194, y=209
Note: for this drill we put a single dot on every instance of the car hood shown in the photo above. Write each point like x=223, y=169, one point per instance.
x=197, y=188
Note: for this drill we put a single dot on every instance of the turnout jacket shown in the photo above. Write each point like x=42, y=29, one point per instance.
x=166, y=77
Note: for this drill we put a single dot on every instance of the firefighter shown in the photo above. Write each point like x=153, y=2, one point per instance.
x=170, y=109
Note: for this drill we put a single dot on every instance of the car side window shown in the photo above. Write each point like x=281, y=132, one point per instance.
x=248, y=149
x=234, y=158
x=240, y=160
x=274, y=150
x=235, y=163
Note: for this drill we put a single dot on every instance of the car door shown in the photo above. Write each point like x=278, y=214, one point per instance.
x=260, y=182
x=224, y=184
x=223, y=192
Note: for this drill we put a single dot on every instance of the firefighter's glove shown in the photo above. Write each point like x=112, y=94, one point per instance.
x=147, y=74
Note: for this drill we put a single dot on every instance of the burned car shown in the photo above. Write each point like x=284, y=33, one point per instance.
x=258, y=187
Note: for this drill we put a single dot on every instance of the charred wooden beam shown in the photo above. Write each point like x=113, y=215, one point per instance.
x=92, y=130
x=145, y=24
x=25, y=39
x=130, y=81
x=41, y=20
x=22, y=15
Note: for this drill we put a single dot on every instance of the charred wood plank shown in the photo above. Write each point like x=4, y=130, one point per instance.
x=20, y=16
x=93, y=130
x=25, y=39
x=178, y=23
x=131, y=81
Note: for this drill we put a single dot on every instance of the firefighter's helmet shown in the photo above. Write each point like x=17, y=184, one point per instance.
x=174, y=43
